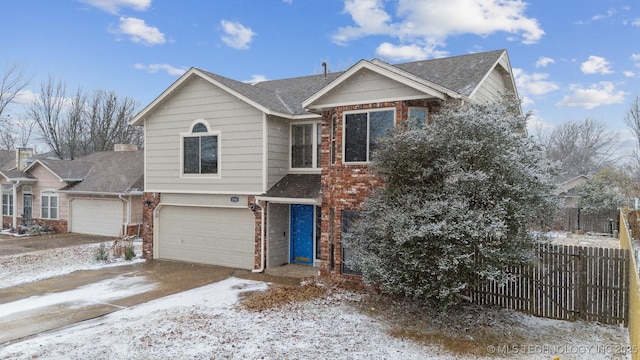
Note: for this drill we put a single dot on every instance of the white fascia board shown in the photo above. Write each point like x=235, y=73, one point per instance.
x=389, y=71
x=407, y=75
x=281, y=200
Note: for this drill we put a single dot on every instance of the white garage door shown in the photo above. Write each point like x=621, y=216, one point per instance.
x=216, y=236
x=97, y=217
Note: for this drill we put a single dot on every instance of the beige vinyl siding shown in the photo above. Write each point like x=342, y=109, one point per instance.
x=277, y=150
x=368, y=87
x=493, y=85
x=48, y=182
x=278, y=235
x=241, y=134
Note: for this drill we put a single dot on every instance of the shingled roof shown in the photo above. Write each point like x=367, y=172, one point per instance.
x=459, y=74
x=114, y=172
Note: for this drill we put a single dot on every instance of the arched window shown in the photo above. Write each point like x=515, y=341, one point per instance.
x=200, y=150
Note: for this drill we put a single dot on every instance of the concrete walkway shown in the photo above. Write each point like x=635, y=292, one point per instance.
x=32, y=308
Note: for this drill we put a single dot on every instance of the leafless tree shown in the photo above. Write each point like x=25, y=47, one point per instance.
x=581, y=147
x=47, y=110
x=12, y=82
x=80, y=125
x=16, y=134
x=632, y=119
x=108, y=118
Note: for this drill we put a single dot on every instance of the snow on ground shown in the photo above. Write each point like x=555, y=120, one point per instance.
x=207, y=323
x=43, y=264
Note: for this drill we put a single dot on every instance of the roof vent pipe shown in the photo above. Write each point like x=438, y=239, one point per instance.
x=324, y=68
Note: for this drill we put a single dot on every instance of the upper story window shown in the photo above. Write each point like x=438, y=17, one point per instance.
x=418, y=117
x=200, y=150
x=361, y=132
x=305, y=145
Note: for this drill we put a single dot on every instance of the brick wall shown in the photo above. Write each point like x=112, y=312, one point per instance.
x=149, y=202
x=346, y=186
x=258, y=253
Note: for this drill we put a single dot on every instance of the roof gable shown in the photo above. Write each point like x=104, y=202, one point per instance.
x=456, y=77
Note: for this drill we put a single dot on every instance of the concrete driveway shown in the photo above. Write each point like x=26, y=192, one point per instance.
x=32, y=308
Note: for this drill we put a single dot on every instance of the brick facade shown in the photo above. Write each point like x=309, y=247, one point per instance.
x=346, y=186
x=258, y=231
x=150, y=201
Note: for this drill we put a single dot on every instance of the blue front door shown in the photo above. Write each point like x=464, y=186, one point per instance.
x=302, y=234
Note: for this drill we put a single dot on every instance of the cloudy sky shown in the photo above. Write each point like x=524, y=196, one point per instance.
x=572, y=58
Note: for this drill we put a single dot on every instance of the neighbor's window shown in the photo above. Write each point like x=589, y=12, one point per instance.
x=361, y=132
x=200, y=151
x=7, y=200
x=49, y=206
x=418, y=117
x=305, y=145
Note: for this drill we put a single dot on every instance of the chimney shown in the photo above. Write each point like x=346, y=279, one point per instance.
x=125, y=147
x=324, y=68
x=22, y=158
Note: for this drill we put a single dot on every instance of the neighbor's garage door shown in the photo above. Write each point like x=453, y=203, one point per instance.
x=96, y=217
x=216, y=236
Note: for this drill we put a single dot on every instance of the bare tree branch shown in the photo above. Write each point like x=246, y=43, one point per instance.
x=12, y=82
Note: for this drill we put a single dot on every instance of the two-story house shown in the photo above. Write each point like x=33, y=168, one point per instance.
x=258, y=175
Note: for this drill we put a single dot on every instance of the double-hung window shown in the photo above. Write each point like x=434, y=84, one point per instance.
x=200, y=151
x=361, y=132
x=49, y=205
x=7, y=200
x=305, y=145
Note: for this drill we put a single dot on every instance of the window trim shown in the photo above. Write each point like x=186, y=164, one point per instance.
x=344, y=131
x=8, y=206
x=316, y=142
x=49, y=195
x=209, y=132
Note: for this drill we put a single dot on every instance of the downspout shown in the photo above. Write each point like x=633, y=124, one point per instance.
x=262, y=239
x=128, y=220
x=15, y=204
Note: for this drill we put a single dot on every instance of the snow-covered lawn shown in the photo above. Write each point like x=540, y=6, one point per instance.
x=209, y=323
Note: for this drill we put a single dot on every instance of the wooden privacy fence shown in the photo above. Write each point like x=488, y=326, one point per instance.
x=573, y=219
x=568, y=283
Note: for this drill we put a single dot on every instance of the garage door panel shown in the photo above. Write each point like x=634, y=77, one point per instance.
x=96, y=216
x=218, y=236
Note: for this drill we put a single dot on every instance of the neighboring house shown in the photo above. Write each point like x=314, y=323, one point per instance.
x=258, y=175
x=98, y=194
x=567, y=189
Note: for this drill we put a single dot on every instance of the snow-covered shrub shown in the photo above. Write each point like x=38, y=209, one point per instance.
x=459, y=190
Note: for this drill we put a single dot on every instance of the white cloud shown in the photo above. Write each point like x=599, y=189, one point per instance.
x=114, y=6
x=370, y=18
x=636, y=22
x=603, y=93
x=431, y=22
x=236, y=35
x=609, y=13
x=139, y=32
x=154, y=68
x=287, y=1
x=543, y=61
x=408, y=52
x=535, y=84
x=629, y=74
x=255, y=78
x=596, y=65
x=636, y=59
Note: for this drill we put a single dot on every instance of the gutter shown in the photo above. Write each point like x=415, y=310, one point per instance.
x=105, y=193
x=262, y=239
